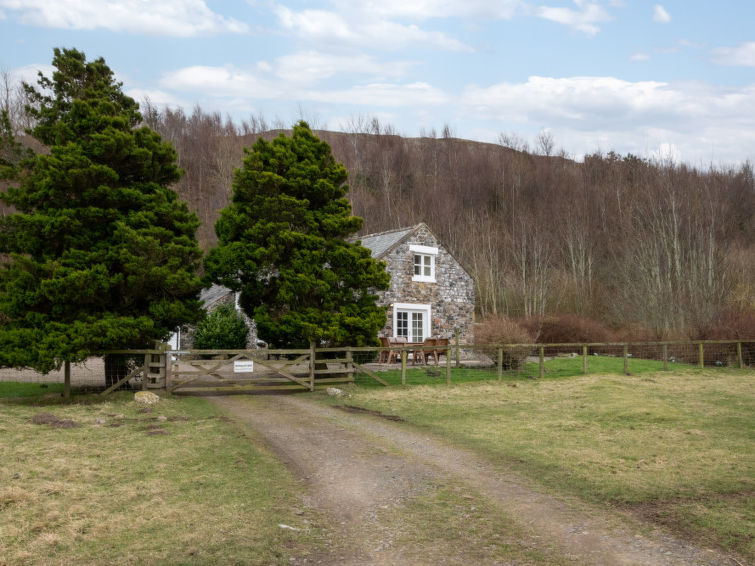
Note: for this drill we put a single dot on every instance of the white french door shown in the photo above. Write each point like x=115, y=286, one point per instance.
x=411, y=321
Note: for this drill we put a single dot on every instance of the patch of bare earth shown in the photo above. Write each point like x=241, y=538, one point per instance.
x=356, y=464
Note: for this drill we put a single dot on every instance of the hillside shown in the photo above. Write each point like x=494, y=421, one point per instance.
x=663, y=247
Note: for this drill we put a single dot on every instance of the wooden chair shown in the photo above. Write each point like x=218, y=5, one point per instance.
x=424, y=354
x=395, y=355
x=441, y=349
x=385, y=343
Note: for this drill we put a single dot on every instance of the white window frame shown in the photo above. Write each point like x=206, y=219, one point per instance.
x=424, y=252
x=413, y=307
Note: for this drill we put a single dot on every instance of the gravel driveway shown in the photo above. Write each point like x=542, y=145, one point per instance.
x=354, y=465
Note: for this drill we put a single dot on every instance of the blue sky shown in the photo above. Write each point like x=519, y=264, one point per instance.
x=671, y=80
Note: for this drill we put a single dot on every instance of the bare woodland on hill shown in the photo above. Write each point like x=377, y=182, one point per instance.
x=663, y=249
x=656, y=249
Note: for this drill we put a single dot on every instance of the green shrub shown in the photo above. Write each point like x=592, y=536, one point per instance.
x=222, y=329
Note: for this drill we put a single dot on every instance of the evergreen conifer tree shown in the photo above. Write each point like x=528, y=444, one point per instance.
x=101, y=253
x=282, y=243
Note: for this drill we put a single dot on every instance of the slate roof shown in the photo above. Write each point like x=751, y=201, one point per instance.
x=212, y=295
x=381, y=243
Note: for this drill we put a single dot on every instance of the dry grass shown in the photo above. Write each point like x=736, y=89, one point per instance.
x=672, y=448
x=137, y=490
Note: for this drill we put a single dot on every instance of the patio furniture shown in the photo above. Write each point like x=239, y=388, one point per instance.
x=440, y=349
x=392, y=354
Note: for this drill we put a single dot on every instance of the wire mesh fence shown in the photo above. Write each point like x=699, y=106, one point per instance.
x=90, y=373
x=460, y=363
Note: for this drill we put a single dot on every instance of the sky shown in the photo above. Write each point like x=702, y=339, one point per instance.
x=669, y=81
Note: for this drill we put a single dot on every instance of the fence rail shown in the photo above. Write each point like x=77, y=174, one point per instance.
x=214, y=371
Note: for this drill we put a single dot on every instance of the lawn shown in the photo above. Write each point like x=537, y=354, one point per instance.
x=676, y=448
x=104, y=482
x=16, y=389
x=557, y=367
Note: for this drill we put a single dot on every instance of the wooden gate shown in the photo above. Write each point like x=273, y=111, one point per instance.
x=229, y=371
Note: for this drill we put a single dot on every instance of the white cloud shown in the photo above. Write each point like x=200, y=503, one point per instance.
x=178, y=18
x=667, y=152
x=585, y=18
x=238, y=87
x=428, y=9
x=743, y=55
x=30, y=73
x=700, y=121
x=661, y=15
x=155, y=96
x=312, y=66
x=221, y=82
x=639, y=57
x=291, y=76
x=379, y=95
x=329, y=27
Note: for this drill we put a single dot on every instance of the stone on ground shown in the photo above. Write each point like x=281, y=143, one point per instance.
x=146, y=397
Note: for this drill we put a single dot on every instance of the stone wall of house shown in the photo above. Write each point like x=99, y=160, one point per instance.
x=451, y=297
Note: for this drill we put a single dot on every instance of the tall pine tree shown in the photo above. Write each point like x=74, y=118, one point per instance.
x=102, y=254
x=282, y=243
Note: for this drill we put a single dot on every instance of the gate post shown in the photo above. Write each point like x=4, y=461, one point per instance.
x=145, y=371
x=312, y=366
x=349, y=365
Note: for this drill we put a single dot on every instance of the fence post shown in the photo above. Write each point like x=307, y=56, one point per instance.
x=740, y=361
x=542, y=362
x=349, y=365
x=702, y=356
x=500, y=362
x=584, y=360
x=145, y=372
x=665, y=357
x=67, y=380
x=403, y=367
x=312, y=365
x=626, y=359
x=456, y=341
x=448, y=366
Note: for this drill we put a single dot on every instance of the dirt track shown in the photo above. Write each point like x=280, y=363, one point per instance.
x=354, y=465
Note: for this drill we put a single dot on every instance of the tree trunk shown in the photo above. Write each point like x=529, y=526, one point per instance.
x=67, y=380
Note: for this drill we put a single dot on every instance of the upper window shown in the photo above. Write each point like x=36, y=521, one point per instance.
x=424, y=263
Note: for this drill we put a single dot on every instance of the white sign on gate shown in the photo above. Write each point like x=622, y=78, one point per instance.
x=243, y=366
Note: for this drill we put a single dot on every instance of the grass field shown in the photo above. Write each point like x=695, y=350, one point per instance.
x=133, y=489
x=677, y=448
x=554, y=368
x=15, y=389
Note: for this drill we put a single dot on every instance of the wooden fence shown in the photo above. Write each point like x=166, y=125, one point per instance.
x=228, y=371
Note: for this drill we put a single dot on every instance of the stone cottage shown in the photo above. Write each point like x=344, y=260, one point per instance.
x=430, y=294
